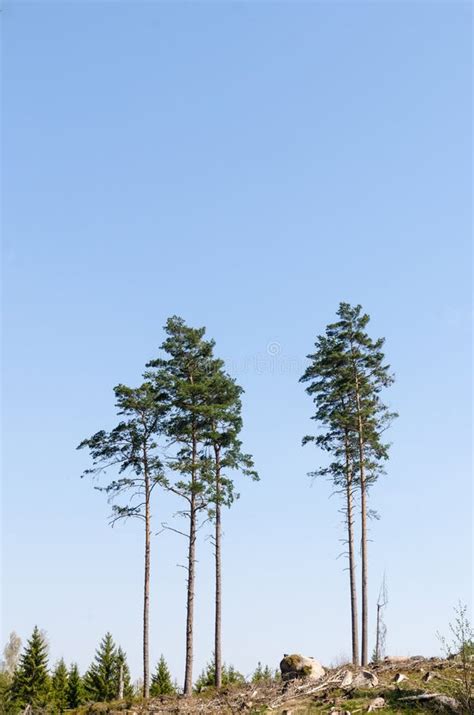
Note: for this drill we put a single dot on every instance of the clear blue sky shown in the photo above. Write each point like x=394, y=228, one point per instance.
x=246, y=166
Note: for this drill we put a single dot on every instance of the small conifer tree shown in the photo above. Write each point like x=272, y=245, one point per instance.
x=161, y=683
x=257, y=675
x=59, y=687
x=207, y=678
x=100, y=681
x=231, y=676
x=75, y=688
x=263, y=674
x=30, y=685
x=268, y=674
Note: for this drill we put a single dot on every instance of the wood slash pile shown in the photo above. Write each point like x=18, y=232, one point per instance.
x=404, y=679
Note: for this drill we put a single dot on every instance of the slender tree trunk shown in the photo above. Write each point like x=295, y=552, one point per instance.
x=120, y=687
x=365, y=604
x=146, y=591
x=188, y=676
x=218, y=614
x=377, y=640
x=352, y=564
x=363, y=507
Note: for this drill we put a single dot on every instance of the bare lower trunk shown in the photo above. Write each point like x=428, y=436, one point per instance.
x=146, y=596
x=365, y=605
x=350, y=543
x=363, y=506
x=377, y=640
x=352, y=575
x=121, y=684
x=218, y=614
x=188, y=677
x=193, y=512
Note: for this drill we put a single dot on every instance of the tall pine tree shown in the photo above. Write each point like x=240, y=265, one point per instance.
x=131, y=449
x=183, y=376
x=31, y=682
x=224, y=423
x=367, y=375
x=346, y=375
x=204, y=420
x=326, y=385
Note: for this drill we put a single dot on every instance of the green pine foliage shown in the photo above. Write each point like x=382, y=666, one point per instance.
x=31, y=682
x=223, y=423
x=100, y=681
x=75, y=688
x=263, y=674
x=231, y=676
x=207, y=678
x=345, y=378
x=130, y=446
x=182, y=377
x=59, y=687
x=346, y=374
x=5, y=683
x=161, y=683
x=202, y=425
x=257, y=675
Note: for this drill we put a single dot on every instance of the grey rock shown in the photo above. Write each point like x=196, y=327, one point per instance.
x=300, y=666
x=347, y=679
x=376, y=704
x=365, y=679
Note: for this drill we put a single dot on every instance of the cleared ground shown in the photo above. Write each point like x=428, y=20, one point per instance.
x=416, y=685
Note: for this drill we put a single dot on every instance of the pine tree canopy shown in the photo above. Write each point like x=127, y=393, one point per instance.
x=129, y=448
x=204, y=410
x=224, y=423
x=183, y=377
x=346, y=374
